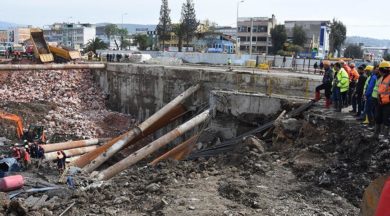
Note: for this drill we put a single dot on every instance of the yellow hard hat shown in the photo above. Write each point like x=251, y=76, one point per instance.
x=384, y=64
x=369, y=68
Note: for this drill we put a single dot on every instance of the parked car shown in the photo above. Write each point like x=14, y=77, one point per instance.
x=3, y=50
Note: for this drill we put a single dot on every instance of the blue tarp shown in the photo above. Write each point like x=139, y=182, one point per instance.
x=9, y=165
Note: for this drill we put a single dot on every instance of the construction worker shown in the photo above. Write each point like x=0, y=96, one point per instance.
x=370, y=85
x=340, y=86
x=16, y=152
x=383, y=111
x=348, y=70
x=353, y=79
x=357, y=96
x=326, y=84
x=368, y=71
x=61, y=158
x=25, y=157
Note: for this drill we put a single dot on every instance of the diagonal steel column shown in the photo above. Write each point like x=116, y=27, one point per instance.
x=132, y=134
x=152, y=147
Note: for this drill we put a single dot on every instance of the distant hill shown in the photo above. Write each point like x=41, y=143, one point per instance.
x=7, y=25
x=372, y=42
x=132, y=28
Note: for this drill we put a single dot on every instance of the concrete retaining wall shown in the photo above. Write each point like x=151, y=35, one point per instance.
x=141, y=90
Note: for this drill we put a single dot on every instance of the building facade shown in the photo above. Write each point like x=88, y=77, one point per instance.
x=3, y=36
x=18, y=35
x=214, y=43
x=254, y=34
x=227, y=30
x=72, y=35
x=317, y=36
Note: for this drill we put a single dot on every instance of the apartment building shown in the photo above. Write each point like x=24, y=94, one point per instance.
x=254, y=34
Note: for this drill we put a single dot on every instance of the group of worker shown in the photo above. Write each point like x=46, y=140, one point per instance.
x=366, y=89
x=33, y=150
x=29, y=150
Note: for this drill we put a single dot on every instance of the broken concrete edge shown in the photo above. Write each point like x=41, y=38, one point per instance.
x=153, y=146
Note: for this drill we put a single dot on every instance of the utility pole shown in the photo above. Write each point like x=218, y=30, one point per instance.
x=251, y=35
x=124, y=14
x=237, y=39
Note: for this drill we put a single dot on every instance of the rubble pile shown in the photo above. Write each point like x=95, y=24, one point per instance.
x=77, y=104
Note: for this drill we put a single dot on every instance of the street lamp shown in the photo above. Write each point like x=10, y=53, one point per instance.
x=237, y=39
x=124, y=14
x=238, y=8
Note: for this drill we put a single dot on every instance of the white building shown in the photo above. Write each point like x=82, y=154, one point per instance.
x=18, y=35
x=72, y=35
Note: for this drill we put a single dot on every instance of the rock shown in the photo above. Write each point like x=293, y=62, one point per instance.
x=46, y=212
x=255, y=143
x=291, y=125
x=152, y=187
x=191, y=208
x=4, y=200
x=16, y=208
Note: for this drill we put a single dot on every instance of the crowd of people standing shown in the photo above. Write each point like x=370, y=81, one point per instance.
x=365, y=88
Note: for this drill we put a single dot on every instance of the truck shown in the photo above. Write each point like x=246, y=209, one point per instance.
x=40, y=47
x=64, y=54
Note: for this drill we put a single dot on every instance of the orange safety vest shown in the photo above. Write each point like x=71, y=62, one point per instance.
x=384, y=90
x=354, y=75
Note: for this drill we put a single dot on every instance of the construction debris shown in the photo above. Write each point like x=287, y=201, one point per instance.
x=75, y=104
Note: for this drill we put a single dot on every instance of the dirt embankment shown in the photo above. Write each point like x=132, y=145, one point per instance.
x=65, y=102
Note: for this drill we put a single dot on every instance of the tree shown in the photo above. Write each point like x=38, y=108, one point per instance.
x=386, y=57
x=279, y=37
x=124, y=38
x=338, y=35
x=179, y=32
x=164, y=26
x=95, y=44
x=141, y=41
x=353, y=51
x=188, y=21
x=299, y=36
x=111, y=30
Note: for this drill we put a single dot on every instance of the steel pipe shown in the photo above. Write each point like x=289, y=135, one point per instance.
x=70, y=152
x=171, y=116
x=50, y=66
x=132, y=134
x=152, y=147
x=180, y=152
x=69, y=145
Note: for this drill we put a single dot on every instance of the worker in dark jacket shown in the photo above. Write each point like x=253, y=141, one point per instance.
x=357, y=97
x=326, y=84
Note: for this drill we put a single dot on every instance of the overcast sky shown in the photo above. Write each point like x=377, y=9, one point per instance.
x=363, y=18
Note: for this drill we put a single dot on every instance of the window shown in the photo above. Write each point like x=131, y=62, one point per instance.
x=260, y=29
x=263, y=39
x=243, y=39
x=254, y=39
x=242, y=29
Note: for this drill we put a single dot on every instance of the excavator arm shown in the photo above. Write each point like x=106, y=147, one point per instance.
x=15, y=118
